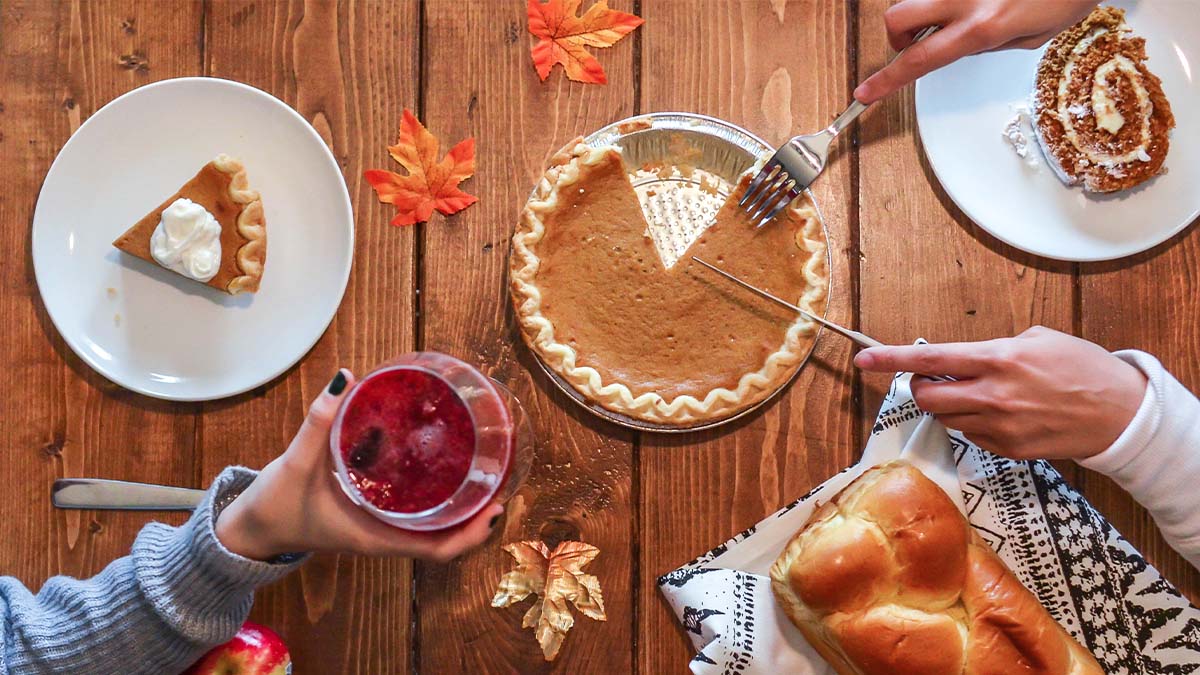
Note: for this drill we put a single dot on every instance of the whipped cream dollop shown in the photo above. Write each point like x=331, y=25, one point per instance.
x=188, y=240
x=1019, y=130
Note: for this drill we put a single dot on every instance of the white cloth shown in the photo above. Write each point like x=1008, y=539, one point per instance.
x=1157, y=458
x=1089, y=577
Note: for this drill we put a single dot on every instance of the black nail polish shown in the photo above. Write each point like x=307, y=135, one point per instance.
x=492, y=523
x=337, y=384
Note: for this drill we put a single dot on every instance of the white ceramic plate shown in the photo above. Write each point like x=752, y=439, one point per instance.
x=149, y=329
x=962, y=109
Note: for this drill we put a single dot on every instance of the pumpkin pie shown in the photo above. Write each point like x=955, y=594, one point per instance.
x=212, y=230
x=676, y=346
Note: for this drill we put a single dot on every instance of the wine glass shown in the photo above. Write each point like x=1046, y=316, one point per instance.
x=425, y=441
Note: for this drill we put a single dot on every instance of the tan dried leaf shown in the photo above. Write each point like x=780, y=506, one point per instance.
x=528, y=577
x=559, y=580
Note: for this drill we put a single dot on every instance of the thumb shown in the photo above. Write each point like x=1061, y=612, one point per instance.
x=315, y=429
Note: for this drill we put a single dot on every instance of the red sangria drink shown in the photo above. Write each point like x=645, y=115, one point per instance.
x=426, y=441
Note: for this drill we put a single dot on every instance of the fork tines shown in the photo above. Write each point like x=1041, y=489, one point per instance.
x=769, y=193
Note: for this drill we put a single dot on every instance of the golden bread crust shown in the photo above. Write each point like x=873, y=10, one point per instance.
x=926, y=595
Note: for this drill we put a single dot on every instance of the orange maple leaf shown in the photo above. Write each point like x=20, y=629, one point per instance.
x=429, y=184
x=563, y=36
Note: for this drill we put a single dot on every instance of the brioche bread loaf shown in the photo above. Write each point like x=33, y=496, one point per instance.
x=888, y=578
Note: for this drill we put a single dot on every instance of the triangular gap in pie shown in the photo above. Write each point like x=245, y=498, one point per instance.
x=221, y=188
x=676, y=347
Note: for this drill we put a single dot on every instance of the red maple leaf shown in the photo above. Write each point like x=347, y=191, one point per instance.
x=429, y=184
x=563, y=36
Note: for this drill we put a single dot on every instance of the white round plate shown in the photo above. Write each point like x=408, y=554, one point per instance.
x=149, y=329
x=962, y=110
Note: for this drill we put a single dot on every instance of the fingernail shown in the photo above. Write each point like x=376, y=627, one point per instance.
x=864, y=359
x=860, y=92
x=492, y=523
x=338, y=384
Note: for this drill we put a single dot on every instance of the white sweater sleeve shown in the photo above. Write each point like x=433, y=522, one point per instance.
x=1157, y=458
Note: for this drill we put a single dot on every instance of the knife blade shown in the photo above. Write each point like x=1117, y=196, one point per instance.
x=119, y=495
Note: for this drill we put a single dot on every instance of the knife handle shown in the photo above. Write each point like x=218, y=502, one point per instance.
x=119, y=495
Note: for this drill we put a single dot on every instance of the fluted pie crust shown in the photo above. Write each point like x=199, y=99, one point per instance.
x=678, y=346
x=221, y=187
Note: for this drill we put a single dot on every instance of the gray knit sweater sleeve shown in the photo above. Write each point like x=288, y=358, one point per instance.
x=157, y=610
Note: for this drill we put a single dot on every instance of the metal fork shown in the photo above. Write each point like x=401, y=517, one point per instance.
x=798, y=162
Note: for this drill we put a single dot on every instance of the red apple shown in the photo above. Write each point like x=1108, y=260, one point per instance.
x=255, y=650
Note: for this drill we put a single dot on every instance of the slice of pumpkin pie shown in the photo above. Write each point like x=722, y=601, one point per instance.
x=212, y=230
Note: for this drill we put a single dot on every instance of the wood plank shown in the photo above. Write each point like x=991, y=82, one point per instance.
x=927, y=270
x=739, y=61
x=479, y=81
x=349, y=70
x=1149, y=302
x=956, y=282
x=59, y=63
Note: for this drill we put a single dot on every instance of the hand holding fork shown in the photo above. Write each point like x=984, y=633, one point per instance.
x=798, y=162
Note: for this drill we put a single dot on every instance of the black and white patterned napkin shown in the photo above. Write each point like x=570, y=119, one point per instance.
x=1086, y=574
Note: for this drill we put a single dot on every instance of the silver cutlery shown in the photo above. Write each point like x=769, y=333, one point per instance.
x=860, y=338
x=98, y=493
x=798, y=162
x=855, y=336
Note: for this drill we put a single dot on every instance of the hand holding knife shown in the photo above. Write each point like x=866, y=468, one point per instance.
x=853, y=335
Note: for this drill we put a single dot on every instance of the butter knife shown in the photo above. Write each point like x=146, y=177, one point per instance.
x=855, y=336
x=119, y=495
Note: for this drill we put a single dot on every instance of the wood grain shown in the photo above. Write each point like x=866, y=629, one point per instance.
x=479, y=81
x=740, y=61
x=906, y=263
x=953, y=281
x=59, y=63
x=1124, y=309
x=928, y=271
x=349, y=70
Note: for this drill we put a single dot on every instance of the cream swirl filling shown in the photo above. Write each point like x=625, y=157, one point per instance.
x=1108, y=117
x=188, y=240
x=1103, y=105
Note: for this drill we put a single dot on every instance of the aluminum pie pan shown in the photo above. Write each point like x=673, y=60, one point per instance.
x=713, y=147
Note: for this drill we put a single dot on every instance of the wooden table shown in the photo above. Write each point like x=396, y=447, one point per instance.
x=906, y=263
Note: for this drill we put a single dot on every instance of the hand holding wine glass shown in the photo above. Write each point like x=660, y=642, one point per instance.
x=297, y=505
